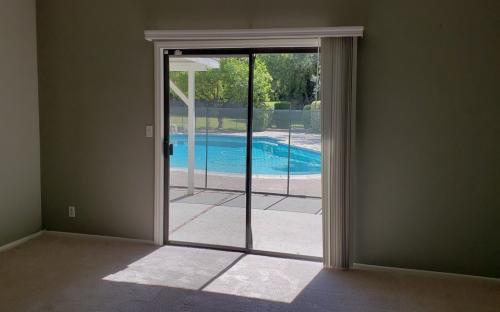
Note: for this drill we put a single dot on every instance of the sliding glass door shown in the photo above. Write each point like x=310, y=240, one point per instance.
x=235, y=180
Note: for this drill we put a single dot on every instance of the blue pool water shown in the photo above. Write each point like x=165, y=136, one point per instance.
x=227, y=154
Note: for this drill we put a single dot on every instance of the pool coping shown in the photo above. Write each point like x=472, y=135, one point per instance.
x=258, y=176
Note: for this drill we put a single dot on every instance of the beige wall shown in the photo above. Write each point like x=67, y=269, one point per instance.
x=20, y=210
x=428, y=118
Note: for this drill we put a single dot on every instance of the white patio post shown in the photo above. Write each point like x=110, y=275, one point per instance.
x=191, y=130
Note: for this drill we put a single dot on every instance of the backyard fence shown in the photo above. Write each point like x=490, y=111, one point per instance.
x=235, y=118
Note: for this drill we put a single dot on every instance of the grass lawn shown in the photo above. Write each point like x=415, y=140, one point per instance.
x=228, y=124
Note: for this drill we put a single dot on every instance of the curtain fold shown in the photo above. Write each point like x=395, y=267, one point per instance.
x=337, y=101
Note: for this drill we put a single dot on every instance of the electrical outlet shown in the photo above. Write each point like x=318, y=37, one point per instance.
x=149, y=131
x=72, y=211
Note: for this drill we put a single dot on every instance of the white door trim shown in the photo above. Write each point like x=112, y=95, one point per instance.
x=159, y=137
x=253, y=34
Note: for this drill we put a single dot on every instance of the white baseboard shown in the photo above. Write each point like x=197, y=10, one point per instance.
x=362, y=266
x=19, y=241
x=123, y=239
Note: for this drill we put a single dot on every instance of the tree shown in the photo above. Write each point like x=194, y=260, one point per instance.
x=227, y=86
x=294, y=76
x=262, y=83
x=277, y=77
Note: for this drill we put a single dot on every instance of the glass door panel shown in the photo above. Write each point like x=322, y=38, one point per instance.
x=286, y=155
x=208, y=112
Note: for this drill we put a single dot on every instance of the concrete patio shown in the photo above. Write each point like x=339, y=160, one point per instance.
x=279, y=223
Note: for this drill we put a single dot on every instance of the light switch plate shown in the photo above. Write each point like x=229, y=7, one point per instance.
x=149, y=131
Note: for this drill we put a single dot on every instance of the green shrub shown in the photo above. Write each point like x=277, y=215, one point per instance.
x=282, y=105
x=281, y=115
x=306, y=116
x=316, y=116
x=262, y=116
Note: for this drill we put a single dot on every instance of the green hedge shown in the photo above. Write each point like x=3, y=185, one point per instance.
x=316, y=116
x=281, y=118
x=282, y=105
x=277, y=104
x=262, y=116
x=306, y=116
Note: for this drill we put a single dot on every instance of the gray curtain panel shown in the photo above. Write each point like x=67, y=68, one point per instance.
x=337, y=101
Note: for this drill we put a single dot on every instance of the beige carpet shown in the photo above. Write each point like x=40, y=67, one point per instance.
x=60, y=273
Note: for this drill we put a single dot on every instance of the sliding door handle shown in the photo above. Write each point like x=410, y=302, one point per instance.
x=168, y=149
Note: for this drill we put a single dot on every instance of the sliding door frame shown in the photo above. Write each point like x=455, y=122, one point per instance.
x=240, y=52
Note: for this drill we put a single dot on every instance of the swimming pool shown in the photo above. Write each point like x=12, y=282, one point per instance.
x=227, y=154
